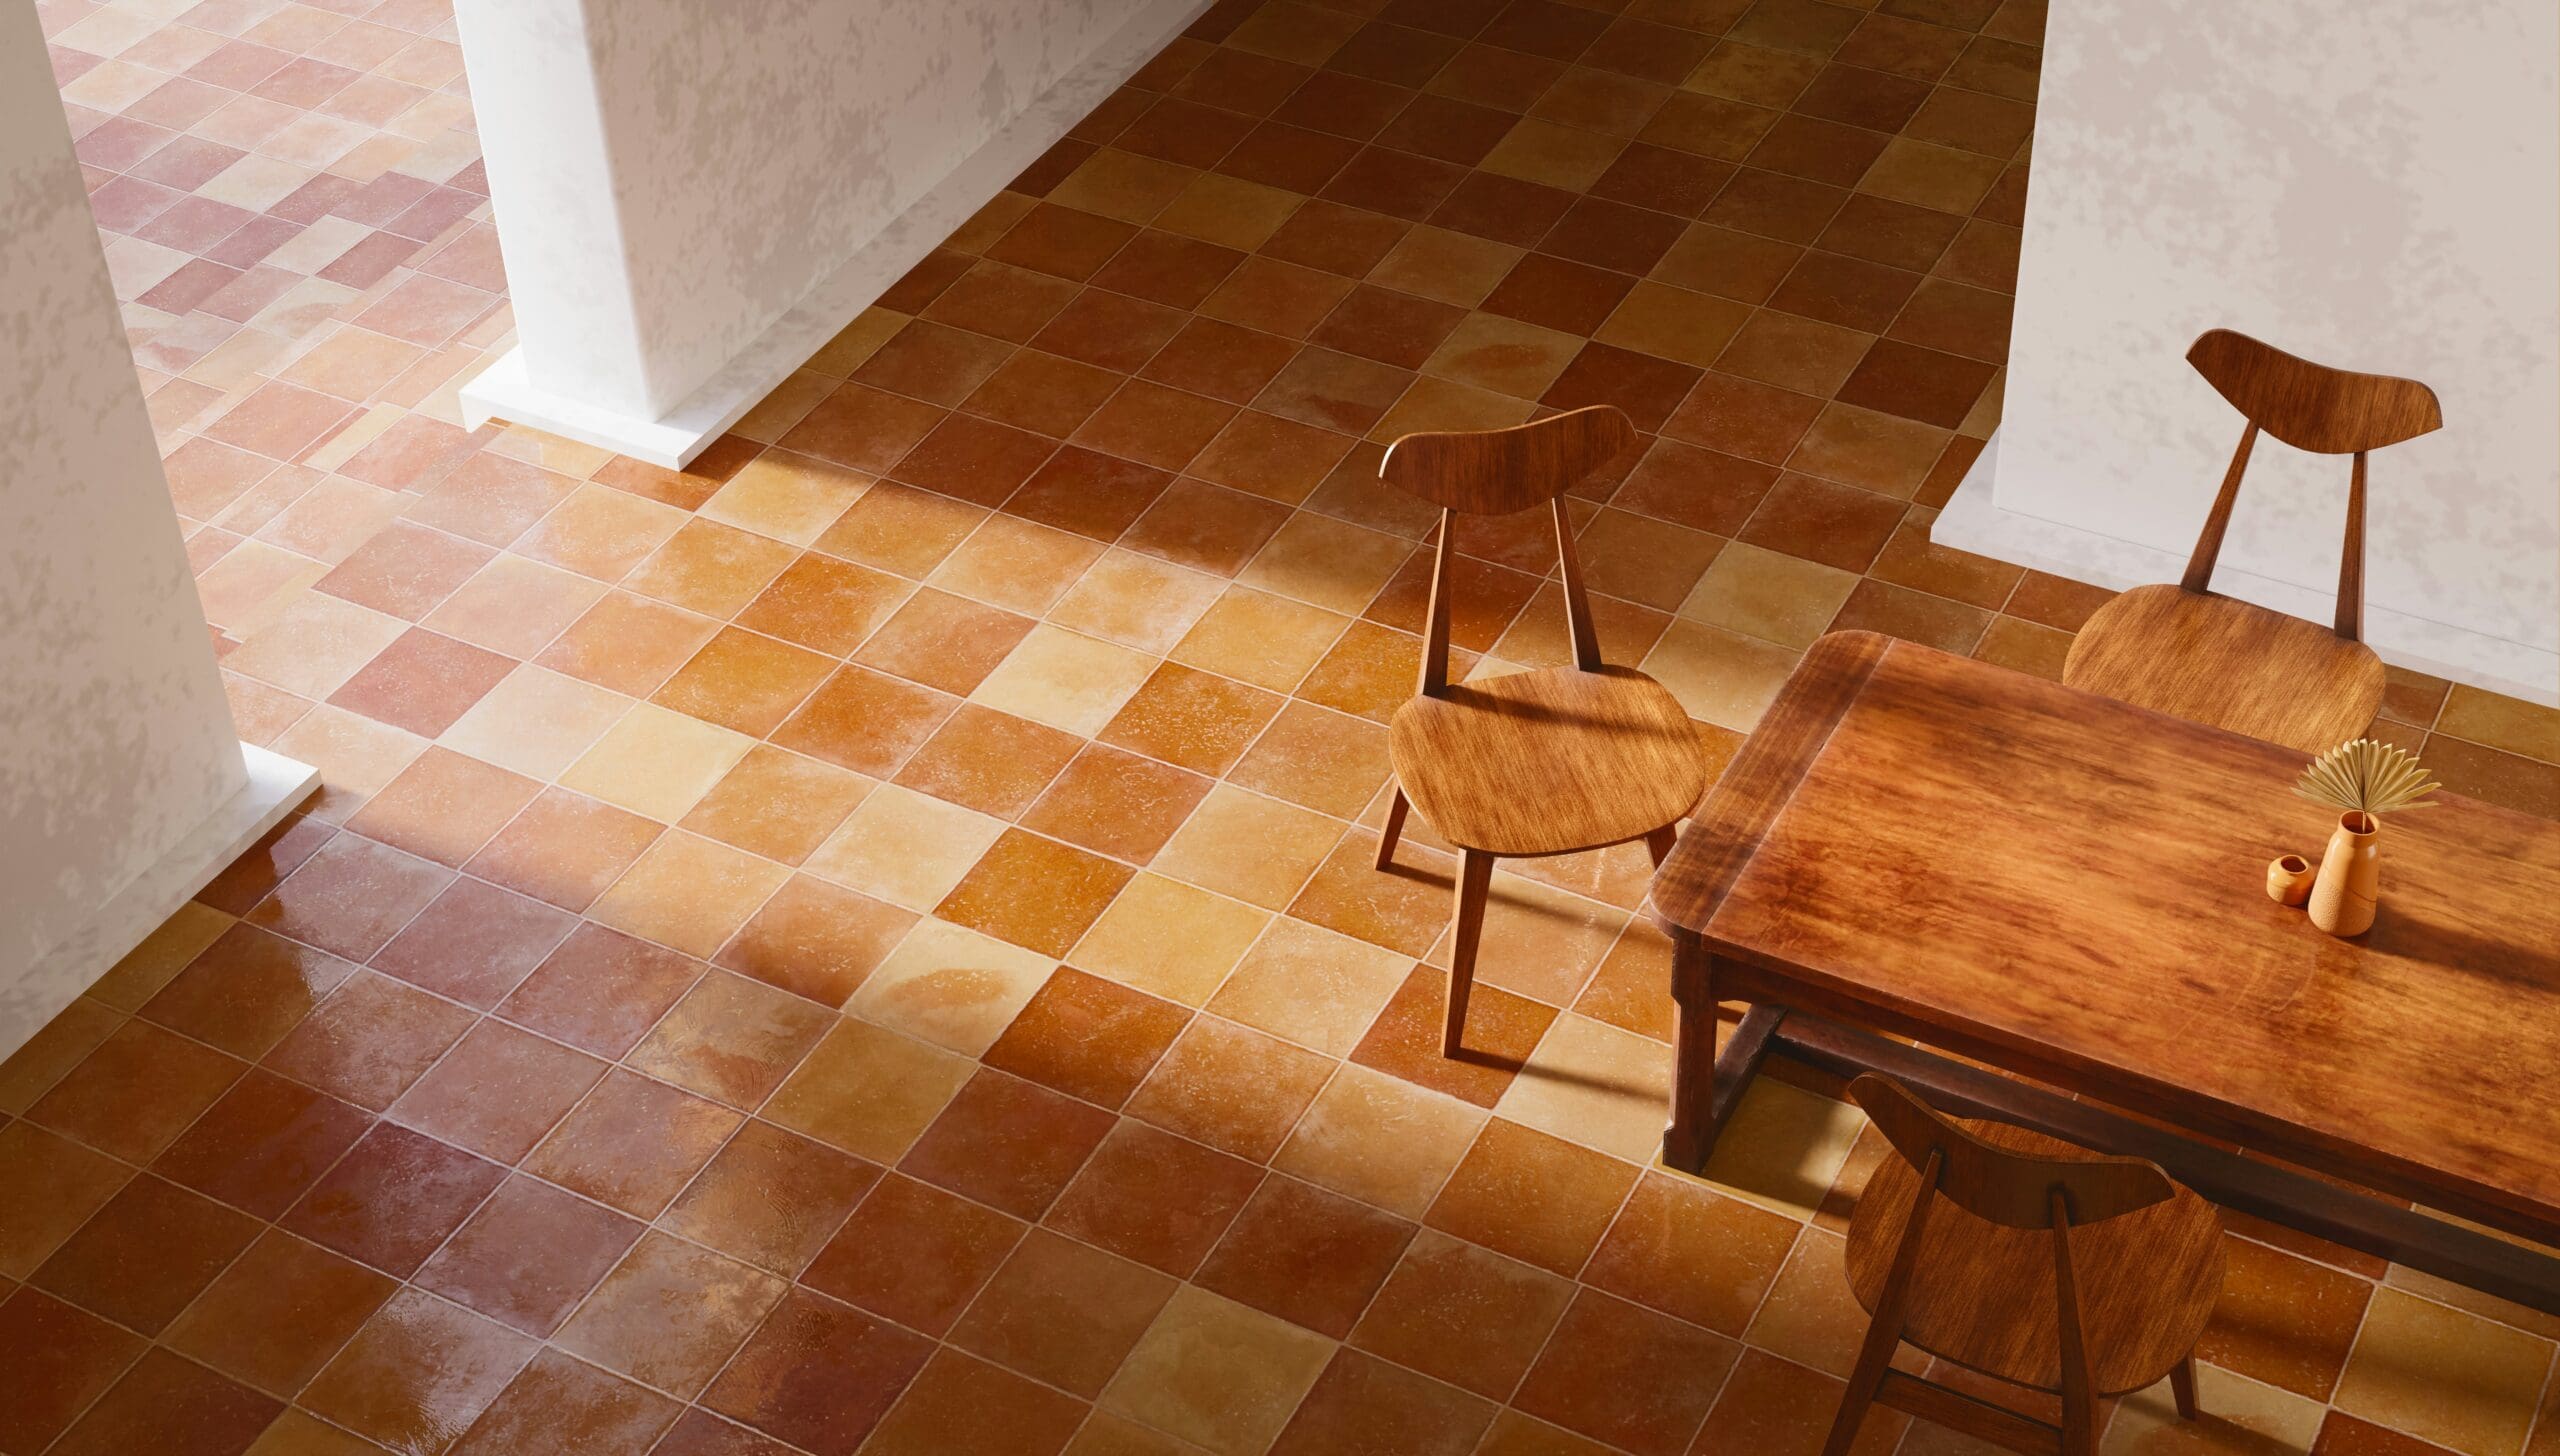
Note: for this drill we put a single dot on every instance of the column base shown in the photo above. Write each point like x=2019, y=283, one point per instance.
x=505, y=390
x=276, y=784
x=1973, y=522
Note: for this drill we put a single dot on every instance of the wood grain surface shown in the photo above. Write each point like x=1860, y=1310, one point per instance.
x=2071, y=888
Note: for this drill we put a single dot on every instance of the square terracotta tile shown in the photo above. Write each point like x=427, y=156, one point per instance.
x=900, y=529
x=777, y=804
x=422, y=682
x=498, y=1091
x=1626, y=1375
x=868, y=1091
x=1311, y=1257
x=246, y=991
x=710, y=568
x=136, y=1091
x=1169, y=939
x=816, y=940
x=989, y=761
x=70, y=1359
x=1217, y=1373
x=1159, y=1199
x=165, y=1403
x=146, y=1254
x=1578, y=1193
x=627, y=644
x=376, y=1385
x=1008, y=1143
x=1116, y=803
x=1034, y=892
x=276, y=1316
x=1231, y=1087
x=444, y=806
x=536, y=722
x=1192, y=719
x=730, y=1039
x=565, y=848
x=863, y=428
x=951, y=986
x=633, y=1144
x=1016, y=564
x=1088, y=1037
x=528, y=1255
x=914, y=1254
x=1137, y=601
x=864, y=721
x=263, y=1144
x=52, y=1186
x=770, y=1198
x=818, y=1374
x=671, y=1314
x=1063, y=1312
x=905, y=847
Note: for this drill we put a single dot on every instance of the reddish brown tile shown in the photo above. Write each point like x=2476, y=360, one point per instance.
x=818, y=1374
x=914, y=1254
x=1007, y=1142
x=528, y=1255
x=146, y=1254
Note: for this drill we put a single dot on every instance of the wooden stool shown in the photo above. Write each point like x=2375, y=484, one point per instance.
x=1535, y=763
x=2215, y=659
x=2027, y=1259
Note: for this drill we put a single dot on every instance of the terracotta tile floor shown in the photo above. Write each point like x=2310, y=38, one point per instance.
x=870, y=943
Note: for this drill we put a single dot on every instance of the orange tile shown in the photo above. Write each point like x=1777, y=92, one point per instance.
x=1535, y=1197
x=1034, y=892
x=1231, y=1087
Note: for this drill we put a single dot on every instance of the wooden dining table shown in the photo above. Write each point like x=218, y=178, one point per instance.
x=2032, y=903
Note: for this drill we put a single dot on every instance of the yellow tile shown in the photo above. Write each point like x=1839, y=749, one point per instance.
x=1449, y=266
x=904, y=847
x=1012, y=563
x=1540, y=939
x=1169, y=939
x=1256, y=849
x=1256, y=637
x=536, y=722
x=1218, y=1374
x=1504, y=355
x=1724, y=677
x=1593, y=1084
x=1674, y=323
x=1228, y=211
x=1137, y=601
x=1445, y=404
x=1380, y=1139
x=1558, y=156
x=2445, y=1376
x=2502, y=722
x=1783, y=1147
x=1122, y=184
x=163, y=953
x=1329, y=563
x=856, y=342
x=951, y=986
x=1769, y=595
x=1311, y=986
x=1064, y=679
x=868, y=1090
x=689, y=893
x=1934, y=177
x=2241, y=1418
x=787, y=497
x=656, y=762
x=315, y=645
x=354, y=753
x=1809, y=1315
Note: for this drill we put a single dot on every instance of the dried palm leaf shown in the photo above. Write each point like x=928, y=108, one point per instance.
x=2368, y=776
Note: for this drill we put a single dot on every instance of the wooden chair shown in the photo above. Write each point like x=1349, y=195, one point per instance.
x=2214, y=659
x=1535, y=763
x=2029, y=1260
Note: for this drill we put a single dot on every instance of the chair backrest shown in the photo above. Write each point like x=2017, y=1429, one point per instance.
x=2310, y=407
x=2001, y=1186
x=1498, y=472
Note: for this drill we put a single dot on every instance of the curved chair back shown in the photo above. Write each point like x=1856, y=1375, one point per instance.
x=2310, y=407
x=1497, y=472
x=1999, y=1185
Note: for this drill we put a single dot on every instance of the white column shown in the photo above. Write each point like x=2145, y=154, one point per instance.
x=2375, y=186
x=693, y=195
x=123, y=787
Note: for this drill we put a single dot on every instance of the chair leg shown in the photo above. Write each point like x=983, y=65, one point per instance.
x=1475, y=880
x=1659, y=842
x=1395, y=828
x=2182, y=1385
x=1875, y=1357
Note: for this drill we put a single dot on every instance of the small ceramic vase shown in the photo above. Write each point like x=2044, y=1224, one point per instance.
x=2289, y=880
x=2350, y=879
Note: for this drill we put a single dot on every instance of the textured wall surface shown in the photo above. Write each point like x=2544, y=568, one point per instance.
x=115, y=740
x=2372, y=186
x=703, y=165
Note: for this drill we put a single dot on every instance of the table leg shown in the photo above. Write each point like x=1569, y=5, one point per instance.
x=1692, y=1133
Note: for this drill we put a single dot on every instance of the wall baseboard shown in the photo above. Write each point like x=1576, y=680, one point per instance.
x=1972, y=522
x=276, y=784
x=505, y=390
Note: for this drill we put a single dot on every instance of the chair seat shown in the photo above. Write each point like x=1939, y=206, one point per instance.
x=2215, y=659
x=1982, y=1294
x=1549, y=762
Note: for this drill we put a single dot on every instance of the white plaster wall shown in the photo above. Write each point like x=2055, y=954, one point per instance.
x=671, y=176
x=115, y=740
x=2374, y=185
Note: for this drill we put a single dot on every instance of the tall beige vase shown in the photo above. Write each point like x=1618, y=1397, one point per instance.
x=2350, y=880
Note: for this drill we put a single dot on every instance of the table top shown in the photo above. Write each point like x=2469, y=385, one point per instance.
x=2073, y=888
